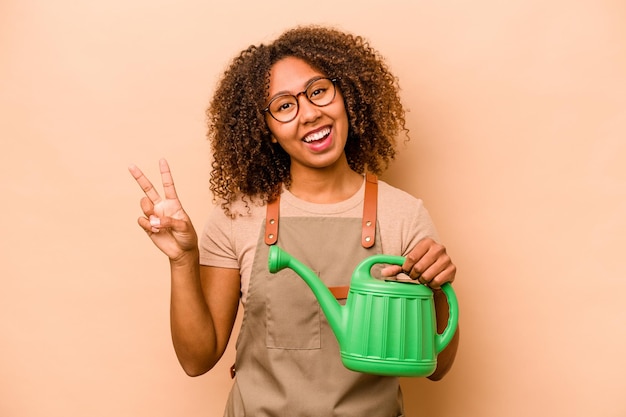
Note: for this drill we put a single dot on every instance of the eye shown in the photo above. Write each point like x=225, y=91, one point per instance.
x=318, y=91
x=282, y=104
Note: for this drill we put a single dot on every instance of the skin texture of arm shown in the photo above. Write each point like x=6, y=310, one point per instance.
x=202, y=313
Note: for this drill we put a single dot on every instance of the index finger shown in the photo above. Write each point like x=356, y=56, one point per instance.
x=415, y=255
x=145, y=184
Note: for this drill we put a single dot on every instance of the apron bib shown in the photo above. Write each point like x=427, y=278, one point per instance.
x=288, y=360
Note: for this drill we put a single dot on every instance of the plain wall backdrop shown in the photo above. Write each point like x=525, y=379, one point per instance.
x=517, y=117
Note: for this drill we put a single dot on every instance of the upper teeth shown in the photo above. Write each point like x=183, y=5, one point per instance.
x=317, y=135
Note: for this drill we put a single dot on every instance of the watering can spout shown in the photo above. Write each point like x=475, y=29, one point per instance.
x=279, y=259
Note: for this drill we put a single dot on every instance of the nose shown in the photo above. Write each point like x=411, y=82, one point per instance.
x=308, y=111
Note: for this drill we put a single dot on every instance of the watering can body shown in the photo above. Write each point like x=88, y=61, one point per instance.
x=385, y=327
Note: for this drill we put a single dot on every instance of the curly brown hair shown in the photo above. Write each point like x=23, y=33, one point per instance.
x=246, y=163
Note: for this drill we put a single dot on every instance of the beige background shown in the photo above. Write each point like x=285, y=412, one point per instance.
x=518, y=125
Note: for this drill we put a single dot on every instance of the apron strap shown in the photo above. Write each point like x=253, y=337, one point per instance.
x=368, y=234
x=340, y=293
x=271, y=221
x=370, y=203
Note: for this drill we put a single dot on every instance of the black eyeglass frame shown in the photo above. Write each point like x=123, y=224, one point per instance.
x=296, y=96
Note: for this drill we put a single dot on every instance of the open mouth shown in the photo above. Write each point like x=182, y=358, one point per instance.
x=319, y=135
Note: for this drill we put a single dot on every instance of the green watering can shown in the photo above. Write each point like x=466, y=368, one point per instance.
x=385, y=327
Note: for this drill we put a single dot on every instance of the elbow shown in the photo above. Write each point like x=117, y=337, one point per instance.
x=194, y=360
x=440, y=372
x=193, y=372
x=194, y=369
x=438, y=375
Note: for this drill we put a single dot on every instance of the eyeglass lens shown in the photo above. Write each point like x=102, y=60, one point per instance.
x=320, y=92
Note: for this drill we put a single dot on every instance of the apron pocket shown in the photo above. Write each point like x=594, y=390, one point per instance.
x=292, y=313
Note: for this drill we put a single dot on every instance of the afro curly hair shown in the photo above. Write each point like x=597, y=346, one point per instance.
x=246, y=164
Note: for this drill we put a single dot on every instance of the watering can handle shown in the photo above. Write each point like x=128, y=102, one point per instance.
x=442, y=340
x=363, y=269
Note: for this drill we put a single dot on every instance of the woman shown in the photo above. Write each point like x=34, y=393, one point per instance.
x=294, y=128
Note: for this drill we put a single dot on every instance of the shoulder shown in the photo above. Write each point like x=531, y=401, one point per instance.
x=395, y=199
x=228, y=236
x=403, y=219
x=238, y=216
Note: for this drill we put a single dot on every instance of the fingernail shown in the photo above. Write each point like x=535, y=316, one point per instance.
x=155, y=221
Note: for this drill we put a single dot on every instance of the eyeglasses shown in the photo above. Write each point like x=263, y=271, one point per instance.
x=319, y=91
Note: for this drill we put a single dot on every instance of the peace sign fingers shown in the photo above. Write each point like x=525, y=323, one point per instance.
x=153, y=203
x=164, y=219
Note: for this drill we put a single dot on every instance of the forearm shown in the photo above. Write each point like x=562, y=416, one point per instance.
x=445, y=359
x=193, y=331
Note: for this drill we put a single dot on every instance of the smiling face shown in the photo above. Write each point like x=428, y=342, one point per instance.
x=316, y=137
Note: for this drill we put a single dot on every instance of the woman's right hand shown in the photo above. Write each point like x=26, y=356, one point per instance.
x=165, y=221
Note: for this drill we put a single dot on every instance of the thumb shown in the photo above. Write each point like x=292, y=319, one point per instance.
x=158, y=223
x=391, y=270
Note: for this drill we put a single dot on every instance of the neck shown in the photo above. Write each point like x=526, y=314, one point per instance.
x=325, y=186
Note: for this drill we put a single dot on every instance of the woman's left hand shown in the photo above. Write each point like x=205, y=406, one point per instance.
x=428, y=262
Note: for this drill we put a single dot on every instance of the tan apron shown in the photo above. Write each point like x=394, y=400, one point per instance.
x=288, y=361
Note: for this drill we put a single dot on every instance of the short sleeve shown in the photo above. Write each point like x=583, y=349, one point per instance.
x=217, y=243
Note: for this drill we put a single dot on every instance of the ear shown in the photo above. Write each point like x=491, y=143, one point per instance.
x=273, y=139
